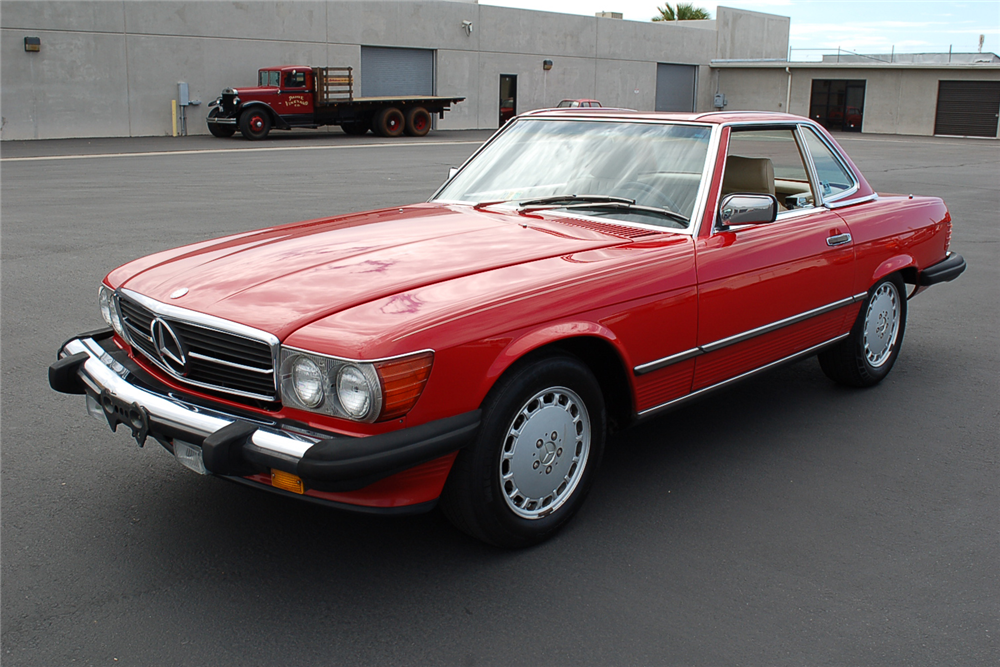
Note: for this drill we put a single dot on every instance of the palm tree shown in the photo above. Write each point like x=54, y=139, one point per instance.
x=685, y=12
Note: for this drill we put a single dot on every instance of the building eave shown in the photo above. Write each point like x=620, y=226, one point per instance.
x=782, y=64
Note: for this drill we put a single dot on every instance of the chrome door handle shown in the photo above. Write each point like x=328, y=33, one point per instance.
x=839, y=239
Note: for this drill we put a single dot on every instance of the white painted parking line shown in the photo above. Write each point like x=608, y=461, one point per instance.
x=206, y=151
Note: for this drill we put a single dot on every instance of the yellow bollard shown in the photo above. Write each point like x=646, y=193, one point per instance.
x=173, y=110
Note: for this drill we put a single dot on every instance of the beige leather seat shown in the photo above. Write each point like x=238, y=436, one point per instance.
x=748, y=175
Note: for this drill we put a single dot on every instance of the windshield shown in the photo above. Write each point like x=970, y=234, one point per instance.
x=655, y=165
x=268, y=78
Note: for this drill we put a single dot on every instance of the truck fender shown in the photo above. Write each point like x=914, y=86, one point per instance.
x=276, y=120
x=530, y=341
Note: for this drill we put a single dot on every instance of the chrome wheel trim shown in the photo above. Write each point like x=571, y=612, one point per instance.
x=881, y=325
x=544, y=452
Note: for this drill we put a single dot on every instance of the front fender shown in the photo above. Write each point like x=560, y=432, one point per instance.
x=276, y=120
x=536, y=339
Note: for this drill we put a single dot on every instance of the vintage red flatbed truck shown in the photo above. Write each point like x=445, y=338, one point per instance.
x=303, y=96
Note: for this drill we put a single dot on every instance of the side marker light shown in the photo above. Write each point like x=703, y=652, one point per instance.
x=287, y=481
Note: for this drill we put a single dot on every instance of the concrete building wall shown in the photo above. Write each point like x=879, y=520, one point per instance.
x=111, y=68
x=899, y=99
x=745, y=34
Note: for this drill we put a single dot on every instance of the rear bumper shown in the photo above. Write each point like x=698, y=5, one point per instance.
x=948, y=269
x=242, y=445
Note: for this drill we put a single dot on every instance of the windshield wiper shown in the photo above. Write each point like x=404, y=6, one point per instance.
x=544, y=201
x=484, y=204
x=609, y=203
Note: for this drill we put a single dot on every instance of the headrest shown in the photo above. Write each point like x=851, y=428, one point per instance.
x=748, y=174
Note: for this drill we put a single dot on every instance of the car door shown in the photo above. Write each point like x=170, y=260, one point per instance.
x=767, y=292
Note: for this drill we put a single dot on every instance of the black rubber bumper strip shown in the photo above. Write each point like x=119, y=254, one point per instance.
x=221, y=451
x=63, y=375
x=337, y=459
x=943, y=271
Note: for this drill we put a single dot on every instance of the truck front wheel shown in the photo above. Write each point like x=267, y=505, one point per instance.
x=389, y=122
x=221, y=131
x=255, y=124
x=418, y=122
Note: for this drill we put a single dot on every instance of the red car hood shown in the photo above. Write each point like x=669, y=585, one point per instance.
x=282, y=278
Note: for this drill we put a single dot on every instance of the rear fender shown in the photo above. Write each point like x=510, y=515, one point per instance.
x=897, y=263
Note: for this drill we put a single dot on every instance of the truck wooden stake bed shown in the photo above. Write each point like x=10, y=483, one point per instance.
x=300, y=96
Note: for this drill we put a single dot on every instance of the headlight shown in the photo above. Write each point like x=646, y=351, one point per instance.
x=356, y=390
x=105, y=299
x=109, y=310
x=307, y=381
x=328, y=385
x=353, y=391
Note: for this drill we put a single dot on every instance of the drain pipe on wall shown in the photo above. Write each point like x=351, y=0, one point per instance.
x=788, y=92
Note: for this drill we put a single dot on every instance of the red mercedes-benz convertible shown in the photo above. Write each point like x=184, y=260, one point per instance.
x=582, y=271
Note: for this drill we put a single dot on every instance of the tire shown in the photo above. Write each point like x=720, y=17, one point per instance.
x=221, y=131
x=418, y=122
x=389, y=122
x=355, y=128
x=866, y=356
x=517, y=484
x=255, y=123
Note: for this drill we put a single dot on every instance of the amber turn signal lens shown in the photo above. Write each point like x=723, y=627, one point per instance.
x=403, y=381
x=287, y=481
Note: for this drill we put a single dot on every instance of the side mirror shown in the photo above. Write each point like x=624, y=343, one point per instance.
x=452, y=172
x=747, y=209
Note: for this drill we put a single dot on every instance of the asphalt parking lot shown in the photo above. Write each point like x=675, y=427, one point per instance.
x=785, y=521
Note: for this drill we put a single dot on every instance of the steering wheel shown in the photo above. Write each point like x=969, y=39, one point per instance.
x=645, y=194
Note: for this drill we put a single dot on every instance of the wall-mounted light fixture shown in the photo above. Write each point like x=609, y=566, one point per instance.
x=32, y=44
x=467, y=27
x=546, y=65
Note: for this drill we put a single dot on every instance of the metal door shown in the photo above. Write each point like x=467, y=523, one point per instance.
x=676, y=86
x=968, y=108
x=396, y=72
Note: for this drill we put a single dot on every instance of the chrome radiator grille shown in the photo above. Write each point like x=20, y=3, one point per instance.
x=203, y=356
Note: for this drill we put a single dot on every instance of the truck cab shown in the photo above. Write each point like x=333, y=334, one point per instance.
x=290, y=90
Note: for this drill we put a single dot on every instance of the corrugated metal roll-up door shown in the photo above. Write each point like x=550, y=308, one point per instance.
x=396, y=72
x=675, y=87
x=968, y=108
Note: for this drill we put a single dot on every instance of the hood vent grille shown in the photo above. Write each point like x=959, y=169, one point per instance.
x=620, y=231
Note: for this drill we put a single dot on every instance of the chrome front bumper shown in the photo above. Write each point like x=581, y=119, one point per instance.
x=101, y=373
x=235, y=444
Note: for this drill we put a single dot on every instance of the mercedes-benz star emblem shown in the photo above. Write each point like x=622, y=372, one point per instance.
x=178, y=293
x=169, y=346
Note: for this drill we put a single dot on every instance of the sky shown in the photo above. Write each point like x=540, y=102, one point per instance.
x=818, y=26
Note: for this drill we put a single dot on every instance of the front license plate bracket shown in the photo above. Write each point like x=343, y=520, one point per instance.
x=134, y=416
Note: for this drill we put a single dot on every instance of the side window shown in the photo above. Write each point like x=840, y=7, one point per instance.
x=768, y=162
x=262, y=78
x=295, y=79
x=834, y=179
